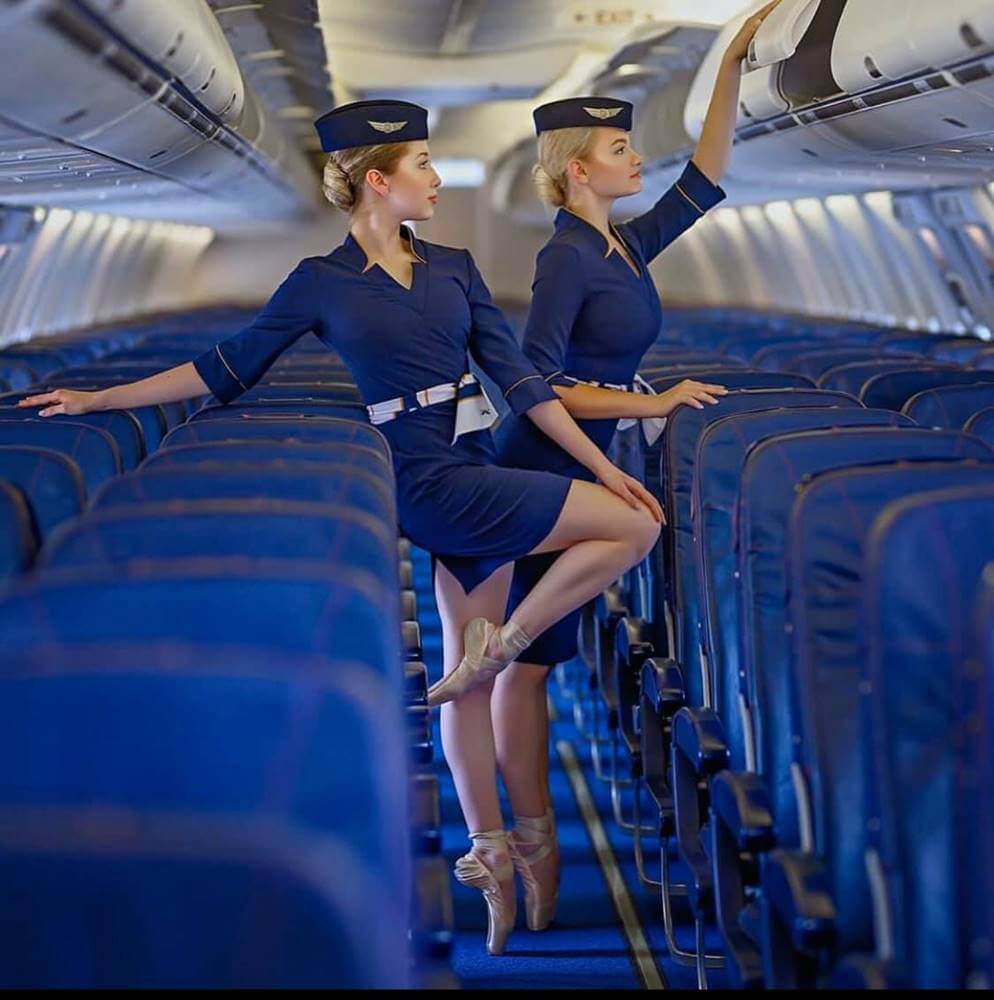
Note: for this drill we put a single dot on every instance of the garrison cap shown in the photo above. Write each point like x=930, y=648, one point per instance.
x=371, y=123
x=583, y=112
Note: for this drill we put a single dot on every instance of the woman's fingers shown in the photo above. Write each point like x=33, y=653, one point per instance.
x=40, y=400
x=647, y=499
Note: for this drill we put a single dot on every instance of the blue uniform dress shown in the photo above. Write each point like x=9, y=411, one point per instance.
x=591, y=319
x=453, y=499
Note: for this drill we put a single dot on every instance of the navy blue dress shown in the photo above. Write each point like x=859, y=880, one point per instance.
x=591, y=319
x=453, y=499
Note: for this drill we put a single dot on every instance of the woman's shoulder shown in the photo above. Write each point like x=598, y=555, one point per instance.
x=561, y=250
x=439, y=251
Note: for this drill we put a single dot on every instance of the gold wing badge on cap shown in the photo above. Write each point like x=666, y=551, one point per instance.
x=386, y=126
x=602, y=112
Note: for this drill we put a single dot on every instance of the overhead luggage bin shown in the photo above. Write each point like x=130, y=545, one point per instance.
x=891, y=39
x=781, y=33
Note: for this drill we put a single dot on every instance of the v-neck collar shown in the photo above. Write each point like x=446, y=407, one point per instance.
x=565, y=219
x=352, y=254
x=354, y=257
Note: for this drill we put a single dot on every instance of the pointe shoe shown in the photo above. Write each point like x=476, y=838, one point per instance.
x=471, y=870
x=532, y=840
x=476, y=668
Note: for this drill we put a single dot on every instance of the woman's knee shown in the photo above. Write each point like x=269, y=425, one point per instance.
x=644, y=534
x=523, y=676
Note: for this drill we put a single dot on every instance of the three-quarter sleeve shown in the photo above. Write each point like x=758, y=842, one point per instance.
x=236, y=364
x=676, y=211
x=557, y=296
x=494, y=348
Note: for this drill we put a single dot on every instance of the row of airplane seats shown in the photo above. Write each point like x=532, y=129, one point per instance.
x=792, y=695
x=212, y=684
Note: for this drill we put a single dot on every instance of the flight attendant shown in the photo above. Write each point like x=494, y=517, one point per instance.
x=405, y=315
x=594, y=313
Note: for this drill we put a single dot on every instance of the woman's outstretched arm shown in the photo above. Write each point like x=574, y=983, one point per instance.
x=225, y=371
x=171, y=386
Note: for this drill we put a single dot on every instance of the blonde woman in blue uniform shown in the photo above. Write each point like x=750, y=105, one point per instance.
x=594, y=313
x=405, y=315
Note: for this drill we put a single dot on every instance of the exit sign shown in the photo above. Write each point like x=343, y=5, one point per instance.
x=591, y=16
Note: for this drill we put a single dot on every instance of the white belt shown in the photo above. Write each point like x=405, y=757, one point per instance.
x=652, y=427
x=474, y=411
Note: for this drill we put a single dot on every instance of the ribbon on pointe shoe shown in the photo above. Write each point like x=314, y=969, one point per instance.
x=471, y=871
x=531, y=841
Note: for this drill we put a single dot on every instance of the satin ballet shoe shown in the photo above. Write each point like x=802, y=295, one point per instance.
x=532, y=840
x=476, y=668
x=473, y=871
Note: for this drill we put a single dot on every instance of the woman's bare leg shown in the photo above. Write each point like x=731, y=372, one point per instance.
x=521, y=736
x=467, y=733
x=521, y=731
x=602, y=537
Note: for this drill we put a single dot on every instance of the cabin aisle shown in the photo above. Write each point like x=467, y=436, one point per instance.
x=588, y=946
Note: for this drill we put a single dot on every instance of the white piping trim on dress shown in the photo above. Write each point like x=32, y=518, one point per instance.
x=230, y=371
x=507, y=392
x=687, y=196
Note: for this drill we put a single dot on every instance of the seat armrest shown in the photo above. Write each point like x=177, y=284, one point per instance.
x=662, y=685
x=795, y=887
x=741, y=802
x=698, y=735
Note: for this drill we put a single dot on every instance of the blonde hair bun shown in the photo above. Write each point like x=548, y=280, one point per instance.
x=337, y=187
x=556, y=148
x=345, y=171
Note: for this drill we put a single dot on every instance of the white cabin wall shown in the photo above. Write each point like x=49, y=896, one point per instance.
x=78, y=269
x=247, y=268
x=844, y=256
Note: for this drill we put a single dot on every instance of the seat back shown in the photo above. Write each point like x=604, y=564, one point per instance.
x=258, y=451
x=981, y=425
x=677, y=469
x=51, y=483
x=721, y=452
x=892, y=390
x=771, y=474
x=311, y=429
x=315, y=482
x=257, y=528
x=17, y=538
x=852, y=377
x=179, y=806
x=829, y=531
x=122, y=426
x=925, y=564
x=91, y=448
x=292, y=604
x=950, y=406
x=280, y=406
